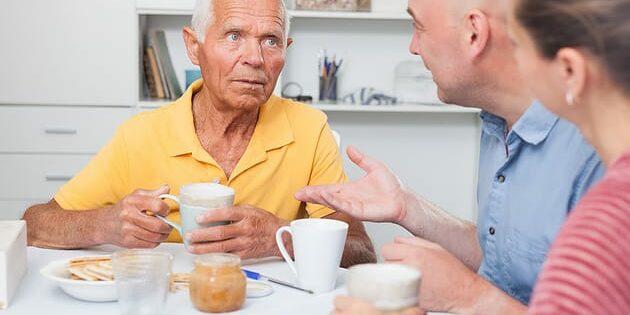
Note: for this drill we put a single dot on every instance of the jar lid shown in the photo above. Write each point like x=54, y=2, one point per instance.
x=218, y=259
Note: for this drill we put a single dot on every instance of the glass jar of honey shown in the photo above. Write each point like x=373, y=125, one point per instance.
x=217, y=283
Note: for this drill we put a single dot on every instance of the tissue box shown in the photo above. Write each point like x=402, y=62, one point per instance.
x=12, y=258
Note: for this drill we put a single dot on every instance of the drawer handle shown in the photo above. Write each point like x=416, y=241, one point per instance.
x=58, y=178
x=60, y=131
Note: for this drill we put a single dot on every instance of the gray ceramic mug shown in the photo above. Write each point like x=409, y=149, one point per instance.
x=196, y=199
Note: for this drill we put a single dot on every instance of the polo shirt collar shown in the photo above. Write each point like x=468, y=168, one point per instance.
x=273, y=129
x=536, y=124
x=533, y=127
x=182, y=138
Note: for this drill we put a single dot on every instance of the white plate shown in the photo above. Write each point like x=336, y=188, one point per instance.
x=92, y=291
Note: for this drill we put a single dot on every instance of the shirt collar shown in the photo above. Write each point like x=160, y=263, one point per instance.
x=533, y=127
x=273, y=129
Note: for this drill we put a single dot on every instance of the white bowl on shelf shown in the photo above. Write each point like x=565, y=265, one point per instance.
x=92, y=291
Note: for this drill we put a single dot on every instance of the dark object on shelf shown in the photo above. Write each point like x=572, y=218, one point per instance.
x=369, y=96
x=297, y=96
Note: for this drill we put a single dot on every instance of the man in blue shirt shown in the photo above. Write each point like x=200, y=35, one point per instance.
x=533, y=169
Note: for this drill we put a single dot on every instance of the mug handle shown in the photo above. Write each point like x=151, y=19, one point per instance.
x=283, y=250
x=167, y=221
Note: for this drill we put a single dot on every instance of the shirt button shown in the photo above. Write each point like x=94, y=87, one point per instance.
x=492, y=231
x=501, y=178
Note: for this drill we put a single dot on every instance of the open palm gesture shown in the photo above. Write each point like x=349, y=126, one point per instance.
x=379, y=196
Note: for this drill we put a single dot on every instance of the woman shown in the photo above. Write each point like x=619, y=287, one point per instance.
x=575, y=54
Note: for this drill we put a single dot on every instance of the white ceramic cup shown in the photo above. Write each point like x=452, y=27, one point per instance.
x=196, y=199
x=389, y=287
x=317, y=246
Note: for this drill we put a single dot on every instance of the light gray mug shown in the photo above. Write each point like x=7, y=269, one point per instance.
x=196, y=199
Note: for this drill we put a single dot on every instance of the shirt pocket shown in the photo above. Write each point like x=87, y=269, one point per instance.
x=527, y=253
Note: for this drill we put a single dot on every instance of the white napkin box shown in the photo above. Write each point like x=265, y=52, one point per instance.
x=12, y=259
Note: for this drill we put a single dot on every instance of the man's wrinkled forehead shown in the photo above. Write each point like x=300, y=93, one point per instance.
x=268, y=11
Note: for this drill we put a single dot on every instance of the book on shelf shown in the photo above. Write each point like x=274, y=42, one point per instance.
x=172, y=89
x=153, y=78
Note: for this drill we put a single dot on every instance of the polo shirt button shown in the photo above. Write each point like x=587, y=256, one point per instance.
x=501, y=178
x=492, y=231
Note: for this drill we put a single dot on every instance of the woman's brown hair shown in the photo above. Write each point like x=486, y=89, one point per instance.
x=600, y=26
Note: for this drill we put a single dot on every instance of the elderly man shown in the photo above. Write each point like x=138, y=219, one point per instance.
x=533, y=169
x=227, y=126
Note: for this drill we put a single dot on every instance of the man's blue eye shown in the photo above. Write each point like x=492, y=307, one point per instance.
x=232, y=37
x=271, y=41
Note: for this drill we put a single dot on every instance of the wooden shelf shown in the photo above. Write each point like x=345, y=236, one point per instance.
x=401, y=108
x=185, y=7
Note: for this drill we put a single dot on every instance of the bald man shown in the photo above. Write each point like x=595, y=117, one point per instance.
x=533, y=169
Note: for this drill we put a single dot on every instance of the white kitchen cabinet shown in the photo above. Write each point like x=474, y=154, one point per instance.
x=68, y=52
x=46, y=129
x=37, y=176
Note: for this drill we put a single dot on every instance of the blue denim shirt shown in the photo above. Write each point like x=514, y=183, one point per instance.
x=529, y=180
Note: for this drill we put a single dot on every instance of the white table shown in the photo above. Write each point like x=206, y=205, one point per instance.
x=38, y=295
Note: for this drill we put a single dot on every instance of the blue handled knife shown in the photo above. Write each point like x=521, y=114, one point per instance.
x=257, y=276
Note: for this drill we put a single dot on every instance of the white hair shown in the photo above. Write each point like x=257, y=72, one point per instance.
x=203, y=15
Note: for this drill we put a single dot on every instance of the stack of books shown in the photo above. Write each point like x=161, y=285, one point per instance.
x=158, y=69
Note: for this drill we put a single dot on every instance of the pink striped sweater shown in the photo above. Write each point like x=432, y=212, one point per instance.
x=588, y=268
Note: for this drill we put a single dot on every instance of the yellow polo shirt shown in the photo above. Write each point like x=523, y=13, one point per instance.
x=292, y=146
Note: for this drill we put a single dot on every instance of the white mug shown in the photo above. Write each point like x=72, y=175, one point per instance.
x=389, y=287
x=317, y=246
x=196, y=199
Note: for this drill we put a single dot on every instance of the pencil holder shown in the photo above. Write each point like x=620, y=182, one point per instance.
x=328, y=89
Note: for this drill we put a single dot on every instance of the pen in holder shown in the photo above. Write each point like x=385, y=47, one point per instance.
x=328, y=70
x=328, y=89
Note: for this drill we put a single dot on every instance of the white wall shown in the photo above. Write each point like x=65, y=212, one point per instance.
x=436, y=155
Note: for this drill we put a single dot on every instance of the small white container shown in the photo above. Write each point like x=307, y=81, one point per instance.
x=12, y=259
x=389, y=287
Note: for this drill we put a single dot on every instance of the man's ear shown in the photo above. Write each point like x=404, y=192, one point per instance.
x=192, y=44
x=289, y=41
x=477, y=32
x=574, y=68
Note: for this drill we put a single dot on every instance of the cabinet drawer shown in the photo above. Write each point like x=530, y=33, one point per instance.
x=14, y=209
x=35, y=177
x=58, y=129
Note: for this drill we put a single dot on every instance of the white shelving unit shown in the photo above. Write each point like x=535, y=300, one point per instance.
x=185, y=7
x=400, y=108
x=341, y=32
x=165, y=7
x=350, y=15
